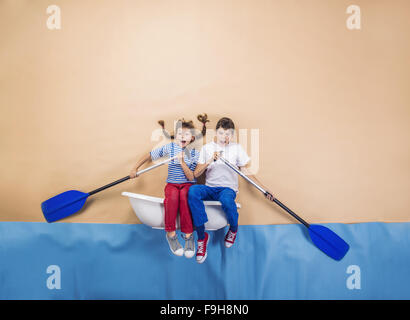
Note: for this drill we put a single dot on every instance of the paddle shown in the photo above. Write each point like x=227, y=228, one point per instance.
x=324, y=238
x=69, y=202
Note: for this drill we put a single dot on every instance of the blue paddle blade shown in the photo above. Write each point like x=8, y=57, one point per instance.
x=63, y=205
x=328, y=241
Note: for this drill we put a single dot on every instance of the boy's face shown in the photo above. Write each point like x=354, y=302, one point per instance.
x=224, y=136
x=183, y=137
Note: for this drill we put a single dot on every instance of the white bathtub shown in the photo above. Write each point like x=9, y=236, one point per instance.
x=150, y=211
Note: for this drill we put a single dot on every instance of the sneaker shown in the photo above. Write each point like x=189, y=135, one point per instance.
x=230, y=238
x=189, y=249
x=174, y=245
x=202, y=252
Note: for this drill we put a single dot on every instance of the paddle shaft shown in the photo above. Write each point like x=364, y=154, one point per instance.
x=128, y=177
x=230, y=165
x=109, y=185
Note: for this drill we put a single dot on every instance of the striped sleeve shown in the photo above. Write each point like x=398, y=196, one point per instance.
x=160, y=152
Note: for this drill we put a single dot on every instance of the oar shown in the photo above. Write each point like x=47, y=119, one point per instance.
x=69, y=202
x=324, y=238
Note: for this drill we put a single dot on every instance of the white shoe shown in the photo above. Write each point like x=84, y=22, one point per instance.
x=174, y=245
x=189, y=249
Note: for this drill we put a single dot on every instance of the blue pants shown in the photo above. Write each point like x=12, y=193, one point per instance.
x=199, y=192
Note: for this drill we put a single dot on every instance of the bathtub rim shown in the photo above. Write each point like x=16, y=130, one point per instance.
x=161, y=200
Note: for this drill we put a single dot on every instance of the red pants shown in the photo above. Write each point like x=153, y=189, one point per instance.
x=176, y=197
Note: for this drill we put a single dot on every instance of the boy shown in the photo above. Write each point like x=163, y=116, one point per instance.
x=221, y=184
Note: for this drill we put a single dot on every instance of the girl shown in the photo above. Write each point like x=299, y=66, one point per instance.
x=180, y=179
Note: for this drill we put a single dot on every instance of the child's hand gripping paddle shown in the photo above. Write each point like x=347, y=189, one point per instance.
x=324, y=238
x=69, y=202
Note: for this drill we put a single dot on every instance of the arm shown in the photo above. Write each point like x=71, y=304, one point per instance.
x=145, y=158
x=188, y=172
x=246, y=171
x=201, y=167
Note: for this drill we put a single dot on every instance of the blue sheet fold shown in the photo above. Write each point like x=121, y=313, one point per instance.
x=113, y=261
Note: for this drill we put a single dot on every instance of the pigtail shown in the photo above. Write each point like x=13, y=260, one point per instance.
x=165, y=132
x=182, y=123
x=203, y=118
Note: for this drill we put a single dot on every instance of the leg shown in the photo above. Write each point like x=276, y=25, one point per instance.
x=171, y=204
x=227, y=198
x=186, y=220
x=184, y=211
x=196, y=195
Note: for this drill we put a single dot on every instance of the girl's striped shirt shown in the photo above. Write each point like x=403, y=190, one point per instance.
x=175, y=172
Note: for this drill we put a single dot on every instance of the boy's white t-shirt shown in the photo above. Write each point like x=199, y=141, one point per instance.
x=219, y=174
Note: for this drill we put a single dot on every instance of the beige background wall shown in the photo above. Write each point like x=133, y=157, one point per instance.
x=332, y=106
